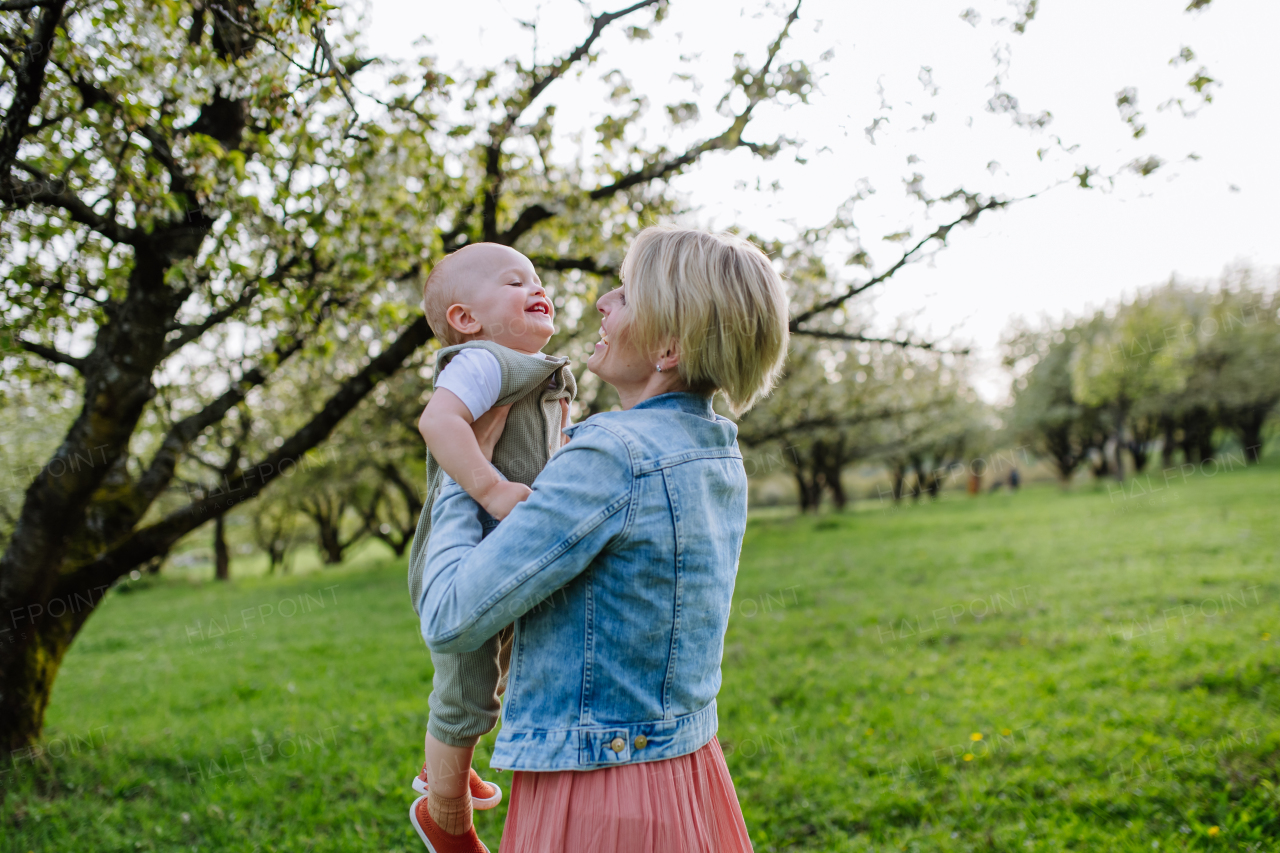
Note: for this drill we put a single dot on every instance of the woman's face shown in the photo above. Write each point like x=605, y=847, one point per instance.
x=615, y=360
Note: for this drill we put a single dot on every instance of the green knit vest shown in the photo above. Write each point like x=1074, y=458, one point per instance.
x=531, y=435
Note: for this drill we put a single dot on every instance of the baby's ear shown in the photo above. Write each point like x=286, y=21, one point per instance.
x=461, y=319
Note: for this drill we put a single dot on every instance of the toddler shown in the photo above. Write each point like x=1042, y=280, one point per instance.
x=486, y=303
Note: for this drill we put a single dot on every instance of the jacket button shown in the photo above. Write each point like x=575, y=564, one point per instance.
x=618, y=744
x=641, y=741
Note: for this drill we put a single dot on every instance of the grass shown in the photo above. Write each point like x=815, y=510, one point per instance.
x=1016, y=672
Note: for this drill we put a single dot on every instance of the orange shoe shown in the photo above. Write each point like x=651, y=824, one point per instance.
x=484, y=795
x=436, y=839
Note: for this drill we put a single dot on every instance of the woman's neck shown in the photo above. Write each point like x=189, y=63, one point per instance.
x=657, y=383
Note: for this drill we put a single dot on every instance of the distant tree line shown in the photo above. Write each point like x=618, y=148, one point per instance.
x=1176, y=371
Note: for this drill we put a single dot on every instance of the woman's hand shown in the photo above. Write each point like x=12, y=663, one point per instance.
x=488, y=429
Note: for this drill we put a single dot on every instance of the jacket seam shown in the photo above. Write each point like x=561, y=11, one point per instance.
x=672, y=649
x=588, y=649
x=664, y=462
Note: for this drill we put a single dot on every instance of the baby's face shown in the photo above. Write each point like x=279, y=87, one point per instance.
x=503, y=295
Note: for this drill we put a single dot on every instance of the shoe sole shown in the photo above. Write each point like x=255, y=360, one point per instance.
x=476, y=802
x=417, y=827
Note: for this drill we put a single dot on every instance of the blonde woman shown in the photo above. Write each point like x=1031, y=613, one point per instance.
x=619, y=568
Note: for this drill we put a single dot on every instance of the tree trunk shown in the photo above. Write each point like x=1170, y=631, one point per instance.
x=330, y=543
x=1117, y=451
x=899, y=474
x=397, y=542
x=37, y=642
x=808, y=485
x=918, y=488
x=1099, y=466
x=1167, y=443
x=1250, y=430
x=1197, y=439
x=1138, y=450
x=832, y=467
x=221, y=558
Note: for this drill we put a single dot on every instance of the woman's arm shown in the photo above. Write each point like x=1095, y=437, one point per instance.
x=473, y=588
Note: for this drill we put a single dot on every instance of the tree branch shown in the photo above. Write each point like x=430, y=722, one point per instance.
x=189, y=332
x=585, y=264
x=529, y=217
x=729, y=139
x=412, y=498
x=340, y=75
x=51, y=354
x=516, y=107
x=180, y=435
x=28, y=83
x=858, y=338
x=156, y=539
x=536, y=213
x=159, y=149
x=47, y=191
x=939, y=234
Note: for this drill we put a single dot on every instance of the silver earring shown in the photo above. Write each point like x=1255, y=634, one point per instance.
x=659, y=367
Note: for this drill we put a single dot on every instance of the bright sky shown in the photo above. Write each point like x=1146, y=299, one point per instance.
x=1066, y=251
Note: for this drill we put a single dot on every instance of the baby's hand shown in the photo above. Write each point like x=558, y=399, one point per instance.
x=503, y=497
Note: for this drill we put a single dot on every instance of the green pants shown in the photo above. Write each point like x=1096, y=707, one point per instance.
x=465, y=689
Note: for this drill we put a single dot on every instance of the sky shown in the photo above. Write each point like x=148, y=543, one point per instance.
x=1064, y=251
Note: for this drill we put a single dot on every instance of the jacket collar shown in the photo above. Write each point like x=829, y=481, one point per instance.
x=683, y=401
x=678, y=401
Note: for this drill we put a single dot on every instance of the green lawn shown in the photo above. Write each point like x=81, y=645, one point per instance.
x=1029, y=672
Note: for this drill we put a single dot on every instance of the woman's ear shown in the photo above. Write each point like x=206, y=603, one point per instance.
x=670, y=359
x=459, y=316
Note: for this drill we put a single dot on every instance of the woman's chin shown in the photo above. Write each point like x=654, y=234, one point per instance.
x=598, y=362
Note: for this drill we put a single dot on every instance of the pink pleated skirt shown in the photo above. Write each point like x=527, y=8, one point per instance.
x=681, y=805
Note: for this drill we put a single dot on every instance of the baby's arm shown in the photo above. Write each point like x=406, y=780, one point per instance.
x=446, y=426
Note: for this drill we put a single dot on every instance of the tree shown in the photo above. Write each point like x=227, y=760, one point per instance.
x=1122, y=361
x=1243, y=337
x=1045, y=412
x=274, y=530
x=327, y=505
x=190, y=175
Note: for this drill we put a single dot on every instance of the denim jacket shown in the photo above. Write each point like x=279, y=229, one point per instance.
x=618, y=573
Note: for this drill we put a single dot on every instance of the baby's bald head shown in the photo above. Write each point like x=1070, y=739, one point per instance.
x=450, y=279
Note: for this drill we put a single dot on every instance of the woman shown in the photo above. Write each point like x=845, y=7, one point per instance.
x=619, y=568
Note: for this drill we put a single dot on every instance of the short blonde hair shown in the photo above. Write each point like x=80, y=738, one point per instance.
x=720, y=298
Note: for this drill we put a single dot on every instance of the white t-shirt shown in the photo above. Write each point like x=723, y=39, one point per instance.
x=475, y=376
